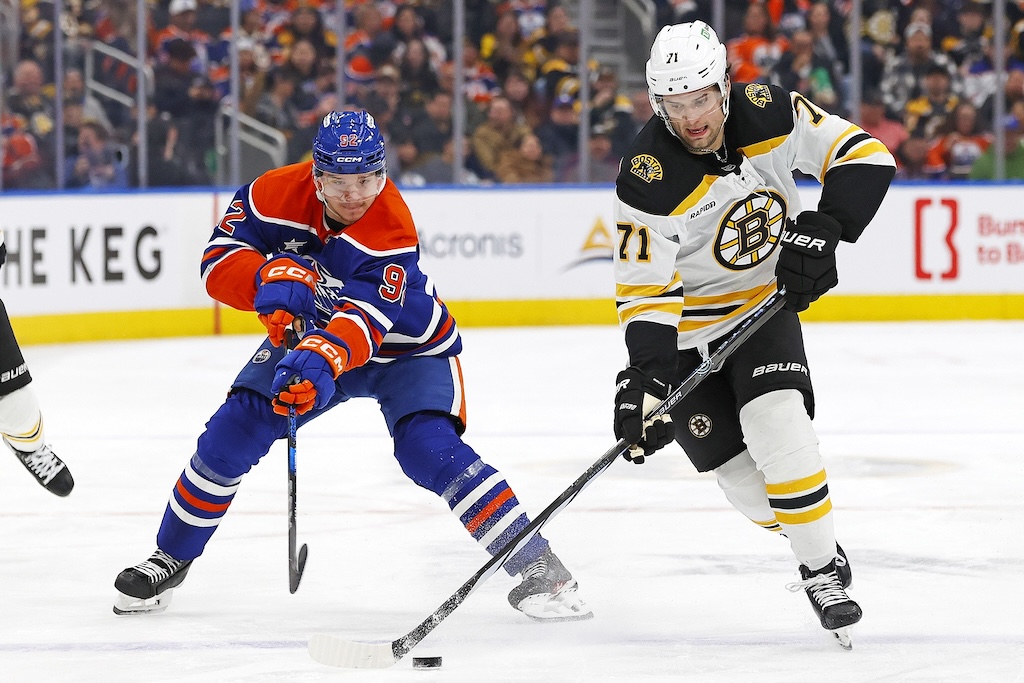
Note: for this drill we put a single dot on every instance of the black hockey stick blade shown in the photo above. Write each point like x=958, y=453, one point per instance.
x=295, y=570
x=336, y=651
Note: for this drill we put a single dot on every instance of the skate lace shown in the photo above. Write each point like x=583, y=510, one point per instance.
x=159, y=566
x=535, y=570
x=43, y=463
x=825, y=589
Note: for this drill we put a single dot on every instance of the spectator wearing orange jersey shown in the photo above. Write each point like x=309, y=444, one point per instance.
x=182, y=26
x=960, y=142
x=753, y=54
x=22, y=167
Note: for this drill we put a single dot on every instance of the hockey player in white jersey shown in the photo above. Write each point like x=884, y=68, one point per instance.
x=710, y=224
x=21, y=421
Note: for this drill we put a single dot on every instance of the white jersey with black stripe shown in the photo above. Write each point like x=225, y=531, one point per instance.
x=698, y=238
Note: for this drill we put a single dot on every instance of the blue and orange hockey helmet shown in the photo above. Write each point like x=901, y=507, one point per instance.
x=348, y=142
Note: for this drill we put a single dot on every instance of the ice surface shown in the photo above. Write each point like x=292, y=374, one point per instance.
x=921, y=428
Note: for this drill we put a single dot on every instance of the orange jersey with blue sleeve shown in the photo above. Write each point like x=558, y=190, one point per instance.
x=371, y=292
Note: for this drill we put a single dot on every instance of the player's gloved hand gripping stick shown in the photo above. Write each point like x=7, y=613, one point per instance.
x=336, y=651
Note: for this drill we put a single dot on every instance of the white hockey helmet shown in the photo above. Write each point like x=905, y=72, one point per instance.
x=686, y=58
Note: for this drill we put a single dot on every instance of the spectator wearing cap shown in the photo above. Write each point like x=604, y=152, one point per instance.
x=501, y=130
x=1013, y=125
x=959, y=143
x=925, y=114
x=875, y=123
x=182, y=26
x=560, y=133
x=903, y=77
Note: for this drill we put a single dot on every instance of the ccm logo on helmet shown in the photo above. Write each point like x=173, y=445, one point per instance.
x=347, y=160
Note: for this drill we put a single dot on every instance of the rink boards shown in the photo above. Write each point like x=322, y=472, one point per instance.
x=126, y=265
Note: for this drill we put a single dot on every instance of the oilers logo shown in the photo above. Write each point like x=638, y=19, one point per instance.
x=327, y=293
x=750, y=230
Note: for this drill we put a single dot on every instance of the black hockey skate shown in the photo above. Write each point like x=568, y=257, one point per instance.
x=49, y=470
x=833, y=606
x=548, y=592
x=146, y=588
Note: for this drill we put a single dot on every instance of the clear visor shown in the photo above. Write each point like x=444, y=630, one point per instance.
x=350, y=187
x=689, y=106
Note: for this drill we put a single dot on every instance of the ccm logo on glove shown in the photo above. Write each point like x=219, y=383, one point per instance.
x=289, y=272
x=331, y=353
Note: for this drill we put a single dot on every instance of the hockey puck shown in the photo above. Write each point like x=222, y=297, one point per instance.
x=426, y=662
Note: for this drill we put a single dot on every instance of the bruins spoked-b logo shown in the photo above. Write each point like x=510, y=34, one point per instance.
x=646, y=168
x=700, y=425
x=750, y=230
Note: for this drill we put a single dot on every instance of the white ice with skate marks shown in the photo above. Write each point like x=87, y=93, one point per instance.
x=920, y=425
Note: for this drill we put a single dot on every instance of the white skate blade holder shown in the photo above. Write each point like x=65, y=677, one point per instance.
x=126, y=604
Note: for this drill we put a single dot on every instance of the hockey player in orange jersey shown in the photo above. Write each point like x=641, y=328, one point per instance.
x=334, y=244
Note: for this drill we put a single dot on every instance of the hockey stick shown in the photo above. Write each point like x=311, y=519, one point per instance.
x=296, y=563
x=335, y=651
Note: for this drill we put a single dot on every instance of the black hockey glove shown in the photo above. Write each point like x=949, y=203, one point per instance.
x=636, y=395
x=807, y=260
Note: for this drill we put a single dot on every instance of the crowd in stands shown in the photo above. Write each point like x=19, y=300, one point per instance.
x=928, y=84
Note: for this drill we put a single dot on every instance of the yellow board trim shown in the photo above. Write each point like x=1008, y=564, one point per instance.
x=76, y=327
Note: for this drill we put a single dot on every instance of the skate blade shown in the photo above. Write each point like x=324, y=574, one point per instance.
x=843, y=637
x=562, y=606
x=126, y=604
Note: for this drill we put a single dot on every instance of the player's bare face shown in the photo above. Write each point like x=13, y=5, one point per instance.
x=349, y=196
x=697, y=118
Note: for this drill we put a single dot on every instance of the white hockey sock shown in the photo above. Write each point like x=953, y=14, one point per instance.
x=21, y=423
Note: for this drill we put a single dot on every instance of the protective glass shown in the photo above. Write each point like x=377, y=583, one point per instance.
x=691, y=106
x=351, y=187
